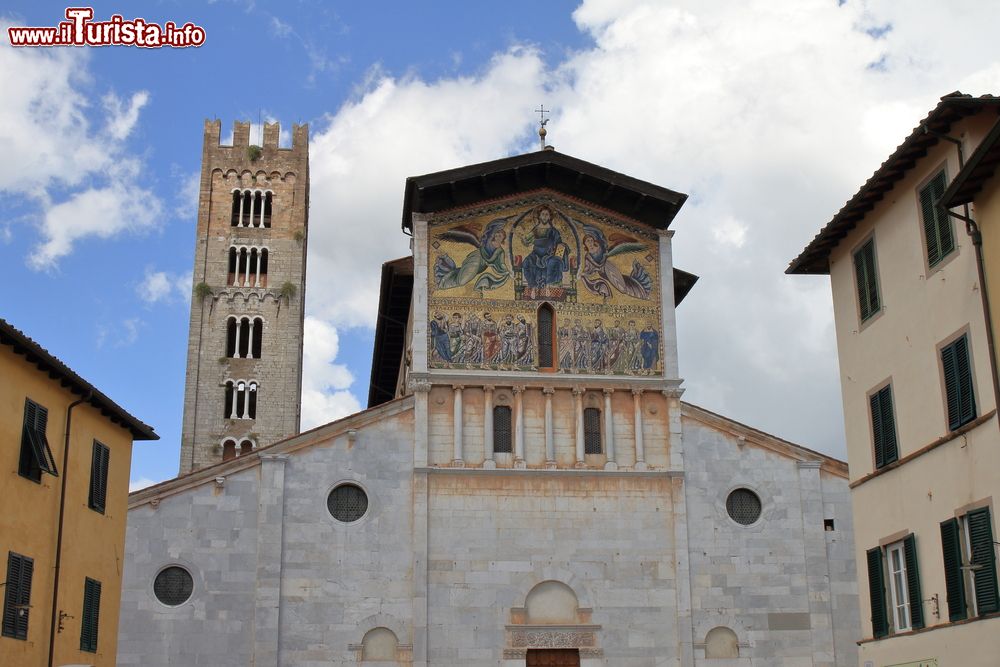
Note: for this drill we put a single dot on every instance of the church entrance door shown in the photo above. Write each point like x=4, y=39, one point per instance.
x=560, y=657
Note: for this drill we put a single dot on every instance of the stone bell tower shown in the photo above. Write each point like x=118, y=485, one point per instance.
x=244, y=369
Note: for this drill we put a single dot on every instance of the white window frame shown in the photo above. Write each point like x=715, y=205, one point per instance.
x=899, y=589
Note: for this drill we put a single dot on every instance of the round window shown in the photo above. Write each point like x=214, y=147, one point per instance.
x=743, y=506
x=347, y=503
x=173, y=586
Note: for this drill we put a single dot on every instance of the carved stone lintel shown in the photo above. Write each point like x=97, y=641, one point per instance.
x=548, y=391
x=539, y=638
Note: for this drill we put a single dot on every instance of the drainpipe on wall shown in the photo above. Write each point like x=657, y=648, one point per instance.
x=59, y=534
x=972, y=229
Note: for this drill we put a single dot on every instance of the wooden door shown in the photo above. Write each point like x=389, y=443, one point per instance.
x=556, y=657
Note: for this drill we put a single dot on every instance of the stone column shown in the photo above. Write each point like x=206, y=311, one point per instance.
x=489, y=462
x=640, y=448
x=580, y=451
x=518, y=426
x=458, y=461
x=668, y=337
x=267, y=596
x=609, y=432
x=550, y=443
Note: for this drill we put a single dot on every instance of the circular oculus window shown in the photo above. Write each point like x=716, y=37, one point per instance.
x=173, y=586
x=347, y=503
x=743, y=506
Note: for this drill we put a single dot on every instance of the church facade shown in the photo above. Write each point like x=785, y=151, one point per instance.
x=526, y=486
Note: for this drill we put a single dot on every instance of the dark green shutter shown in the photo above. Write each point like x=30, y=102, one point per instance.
x=957, y=369
x=99, y=476
x=937, y=226
x=876, y=591
x=91, y=615
x=951, y=549
x=883, y=427
x=35, y=444
x=913, y=583
x=867, y=280
x=17, y=596
x=983, y=556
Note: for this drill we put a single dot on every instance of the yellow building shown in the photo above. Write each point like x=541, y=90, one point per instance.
x=919, y=389
x=65, y=469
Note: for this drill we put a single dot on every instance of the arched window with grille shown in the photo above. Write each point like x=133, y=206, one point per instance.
x=546, y=337
x=592, y=431
x=502, y=429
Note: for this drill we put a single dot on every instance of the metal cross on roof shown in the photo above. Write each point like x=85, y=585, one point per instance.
x=542, y=120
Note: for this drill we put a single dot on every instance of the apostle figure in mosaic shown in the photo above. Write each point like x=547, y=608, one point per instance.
x=599, y=274
x=630, y=359
x=565, y=342
x=650, y=346
x=491, y=339
x=549, y=256
x=456, y=338
x=472, y=343
x=508, y=340
x=598, y=347
x=485, y=264
x=615, y=332
x=524, y=352
x=440, y=342
x=581, y=346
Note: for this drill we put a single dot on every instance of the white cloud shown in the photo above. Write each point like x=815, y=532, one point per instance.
x=141, y=483
x=325, y=385
x=280, y=28
x=78, y=174
x=769, y=114
x=187, y=195
x=119, y=334
x=164, y=286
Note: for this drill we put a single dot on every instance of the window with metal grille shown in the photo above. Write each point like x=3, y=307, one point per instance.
x=883, y=427
x=501, y=430
x=347, y=503
x=743, y=506
x=91, y=615
x=937, y=226
x=958, y=383
x=99, y=461
x=17, y=596
x=36, y=457
x=866, y=274
x=173, y=586
x=546, y=327
x=592, y=431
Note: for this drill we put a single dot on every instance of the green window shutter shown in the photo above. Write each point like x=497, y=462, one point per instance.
x=913, y=582
x=36, y=456
x=983, y=556
x=867, y=279
x=91, y=615
x=957, y=369
x=100, y=460
x=951, y=549
x=883, y=427
x=937, y=227
x=11, y=595
x=876, y=591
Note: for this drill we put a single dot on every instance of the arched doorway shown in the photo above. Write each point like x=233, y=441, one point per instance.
x=553, y=657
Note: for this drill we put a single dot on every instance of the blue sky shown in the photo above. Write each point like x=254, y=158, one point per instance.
x=730, y=102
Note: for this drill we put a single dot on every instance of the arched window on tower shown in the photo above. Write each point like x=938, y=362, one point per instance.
x=546, y=337
x=592, y=431
x=247, y=266
x=241, y=400
x=267, y=210
x=502, y=429
x=228, y=450
x=244, y=337
x=251, y=208
x=237, y=208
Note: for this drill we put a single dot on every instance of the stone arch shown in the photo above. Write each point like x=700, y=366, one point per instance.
x=722, y=642
x=551, y=602
x=379, y=644
x=553, y=572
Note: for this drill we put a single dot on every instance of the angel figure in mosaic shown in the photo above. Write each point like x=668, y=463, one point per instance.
x=485, y=264
x=600, y=275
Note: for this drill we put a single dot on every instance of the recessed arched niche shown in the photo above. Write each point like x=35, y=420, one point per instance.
x=379, y=645
x=551, y=603
x=721, y=642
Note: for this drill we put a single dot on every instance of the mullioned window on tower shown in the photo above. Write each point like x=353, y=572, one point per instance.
x=251, y=208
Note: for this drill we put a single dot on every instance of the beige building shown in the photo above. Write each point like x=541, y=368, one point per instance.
x=919, y=391
x=65, y=460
